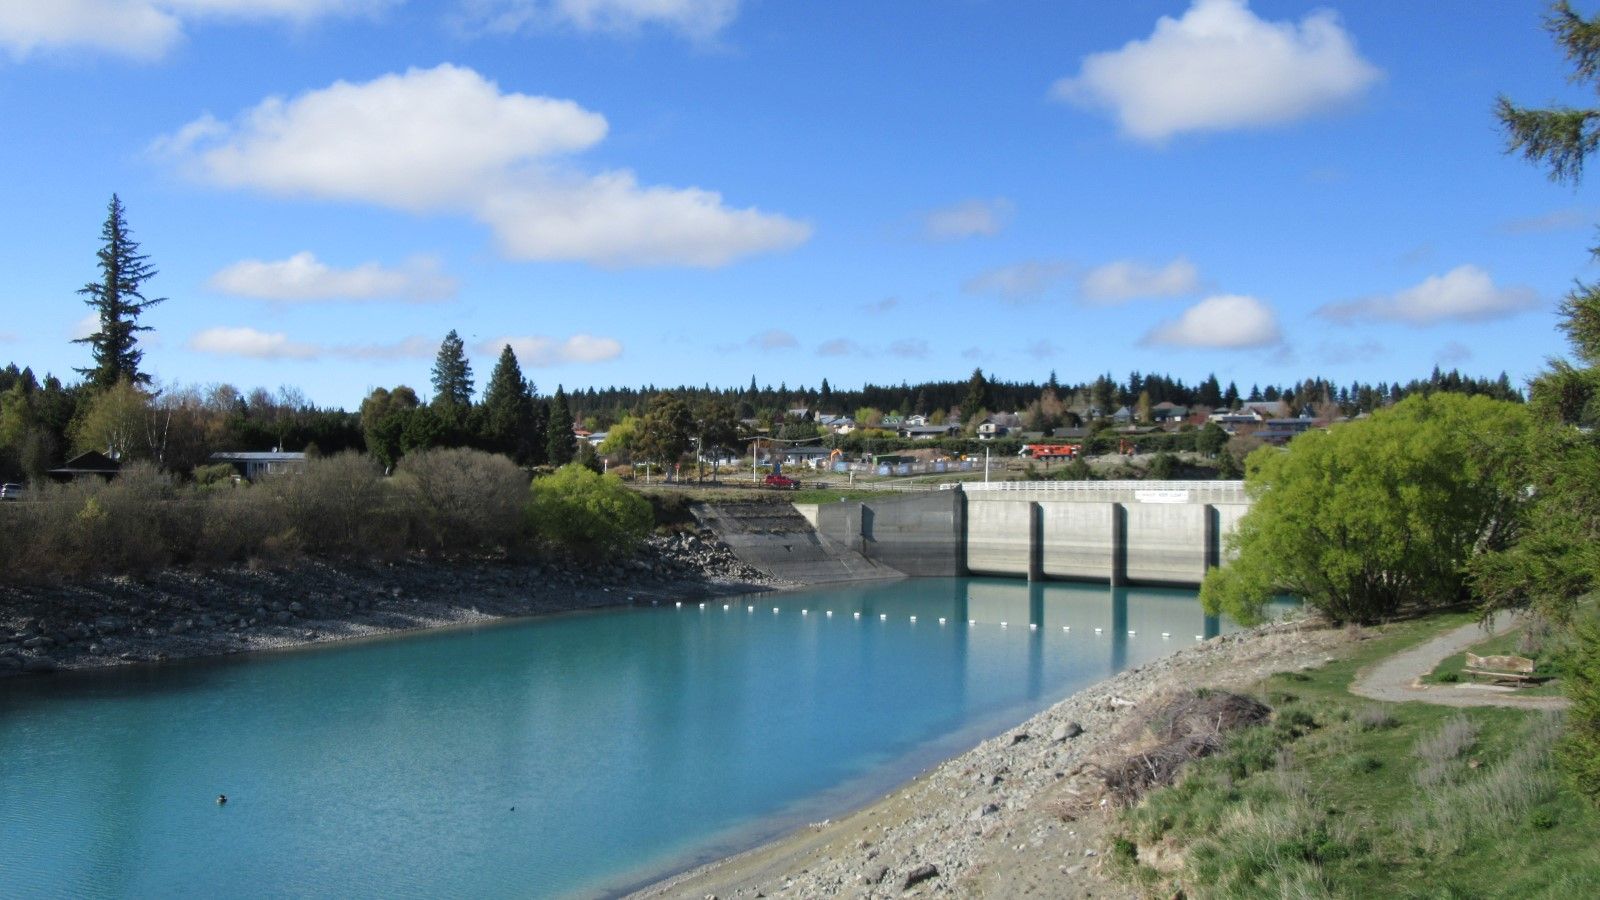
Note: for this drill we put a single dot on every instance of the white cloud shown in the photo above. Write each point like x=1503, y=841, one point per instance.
x=304, y=278
x=1464, y=294
x=143, y=29
x=251, y=343
x=1123, y=280
x=971, y=218
x=1017, y=282
x=1220, y=67
x=447, y=140
x=87, y=325
x=8, y=337
x=774, y=339
x=538, y=351
x=1226, y=321
x=697, y=19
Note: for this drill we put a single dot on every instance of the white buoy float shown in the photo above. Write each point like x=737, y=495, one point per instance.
x=1097, y=631
x=804, y=612
x=1003, y=624
x=830, y=613
x=680, y=604
x=883, y=617
x=972, y=621
x=1033, y=626
x=913, y=620
x=858, y=615
x=774, y=610
x=1165, y=635
x=1131, y=632
x=941, y=620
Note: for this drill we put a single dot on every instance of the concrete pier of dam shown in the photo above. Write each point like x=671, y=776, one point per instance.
x=1117, y=532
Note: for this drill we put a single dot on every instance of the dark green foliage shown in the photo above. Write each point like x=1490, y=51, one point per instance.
x=1579, y=749
x=560, y=444
x=977, y=397
x=666, y=432
x=1162, y=466
x=509, y=421
x=117, y=300
x=1211, y=439
x=452, y=381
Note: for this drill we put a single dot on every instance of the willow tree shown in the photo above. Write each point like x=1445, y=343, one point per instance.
x=1377, y=516
x=118, y=302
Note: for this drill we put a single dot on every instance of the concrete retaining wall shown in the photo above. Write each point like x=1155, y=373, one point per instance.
x=1077, y=540
x=922, y=535
x=1106, y=535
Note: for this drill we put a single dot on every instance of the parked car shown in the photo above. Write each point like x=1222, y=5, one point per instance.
x=10, y=491
x=782, y=482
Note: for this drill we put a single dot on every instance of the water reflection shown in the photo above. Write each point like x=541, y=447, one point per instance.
x=627, y=741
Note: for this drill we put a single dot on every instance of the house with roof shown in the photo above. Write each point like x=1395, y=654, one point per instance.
x=1167, y=411
x=86, y=465
x=257, y=465
x=927, y=432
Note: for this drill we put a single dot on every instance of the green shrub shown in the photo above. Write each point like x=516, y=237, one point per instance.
x=209, y=476
x=587, y=513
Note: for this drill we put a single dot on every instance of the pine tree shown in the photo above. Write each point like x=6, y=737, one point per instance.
x=452, y=379
x=560, y=445
x=508, y=410
x=117, y=300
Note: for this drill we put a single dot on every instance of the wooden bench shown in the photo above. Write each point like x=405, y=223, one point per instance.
x=1500, y=668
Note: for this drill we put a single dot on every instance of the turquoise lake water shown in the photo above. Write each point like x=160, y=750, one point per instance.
x=630, y=742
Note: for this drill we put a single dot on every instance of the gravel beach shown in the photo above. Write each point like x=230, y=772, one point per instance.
x=1020, y=815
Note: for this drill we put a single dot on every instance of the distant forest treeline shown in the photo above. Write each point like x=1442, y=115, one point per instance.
x=43, y=422
x=1106, y=393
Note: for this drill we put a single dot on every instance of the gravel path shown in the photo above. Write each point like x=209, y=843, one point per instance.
x=1398, y=678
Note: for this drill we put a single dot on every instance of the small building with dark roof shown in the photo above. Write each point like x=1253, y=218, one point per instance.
x=93, y=464
x=253, y=466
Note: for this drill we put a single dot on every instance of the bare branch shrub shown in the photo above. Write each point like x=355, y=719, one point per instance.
x=338, y=506
x=462, y=499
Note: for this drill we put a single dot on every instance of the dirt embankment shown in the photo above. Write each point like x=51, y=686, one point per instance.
x=1019, y=815
x=180, y=613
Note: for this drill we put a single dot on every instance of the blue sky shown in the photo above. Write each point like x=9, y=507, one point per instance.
x=698, y=191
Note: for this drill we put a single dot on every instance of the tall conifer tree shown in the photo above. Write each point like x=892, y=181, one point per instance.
x=560, y=444
x=452, y=379
x=117, y=300
x=508, y=410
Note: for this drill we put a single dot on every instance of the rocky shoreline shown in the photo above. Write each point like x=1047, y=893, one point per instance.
x=1022, y=814
x=178, y=613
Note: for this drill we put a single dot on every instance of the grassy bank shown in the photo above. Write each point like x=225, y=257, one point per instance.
x=1344, y=797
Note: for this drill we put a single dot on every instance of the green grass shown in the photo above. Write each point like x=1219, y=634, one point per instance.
x=1513, y=642
x=1325, y=801
x=831, y=495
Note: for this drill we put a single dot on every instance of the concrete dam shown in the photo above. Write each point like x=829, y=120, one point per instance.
x=1116, y=532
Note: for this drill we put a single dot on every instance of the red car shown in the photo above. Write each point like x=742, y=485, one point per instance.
x=783, y=482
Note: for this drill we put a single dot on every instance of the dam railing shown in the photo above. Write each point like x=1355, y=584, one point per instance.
x=1113, y=491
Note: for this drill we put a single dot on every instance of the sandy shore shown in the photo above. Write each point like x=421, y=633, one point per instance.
x=1019, y=815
